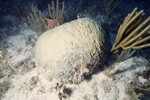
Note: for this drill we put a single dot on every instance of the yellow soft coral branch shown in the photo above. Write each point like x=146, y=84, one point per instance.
x=131, y=32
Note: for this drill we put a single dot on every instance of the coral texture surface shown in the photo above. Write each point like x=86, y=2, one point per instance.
x=71, y=50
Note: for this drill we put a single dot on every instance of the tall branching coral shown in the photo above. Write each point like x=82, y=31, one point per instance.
x=41, y=23
x=132, y=33
x=56, y=14
x=37, y=20
x=56, y=11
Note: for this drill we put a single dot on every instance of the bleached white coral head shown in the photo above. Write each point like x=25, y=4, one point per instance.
x=71, y=50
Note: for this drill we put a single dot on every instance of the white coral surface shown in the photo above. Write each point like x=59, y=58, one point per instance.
x=71, y=50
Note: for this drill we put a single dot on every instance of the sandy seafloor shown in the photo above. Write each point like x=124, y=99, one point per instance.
x=20, y=79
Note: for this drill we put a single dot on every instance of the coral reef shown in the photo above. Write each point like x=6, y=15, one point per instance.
x=73, y=61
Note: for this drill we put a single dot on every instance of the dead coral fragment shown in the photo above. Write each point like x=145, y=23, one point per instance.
x=131, y=34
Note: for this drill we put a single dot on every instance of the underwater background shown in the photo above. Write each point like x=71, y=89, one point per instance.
x=109, y=13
